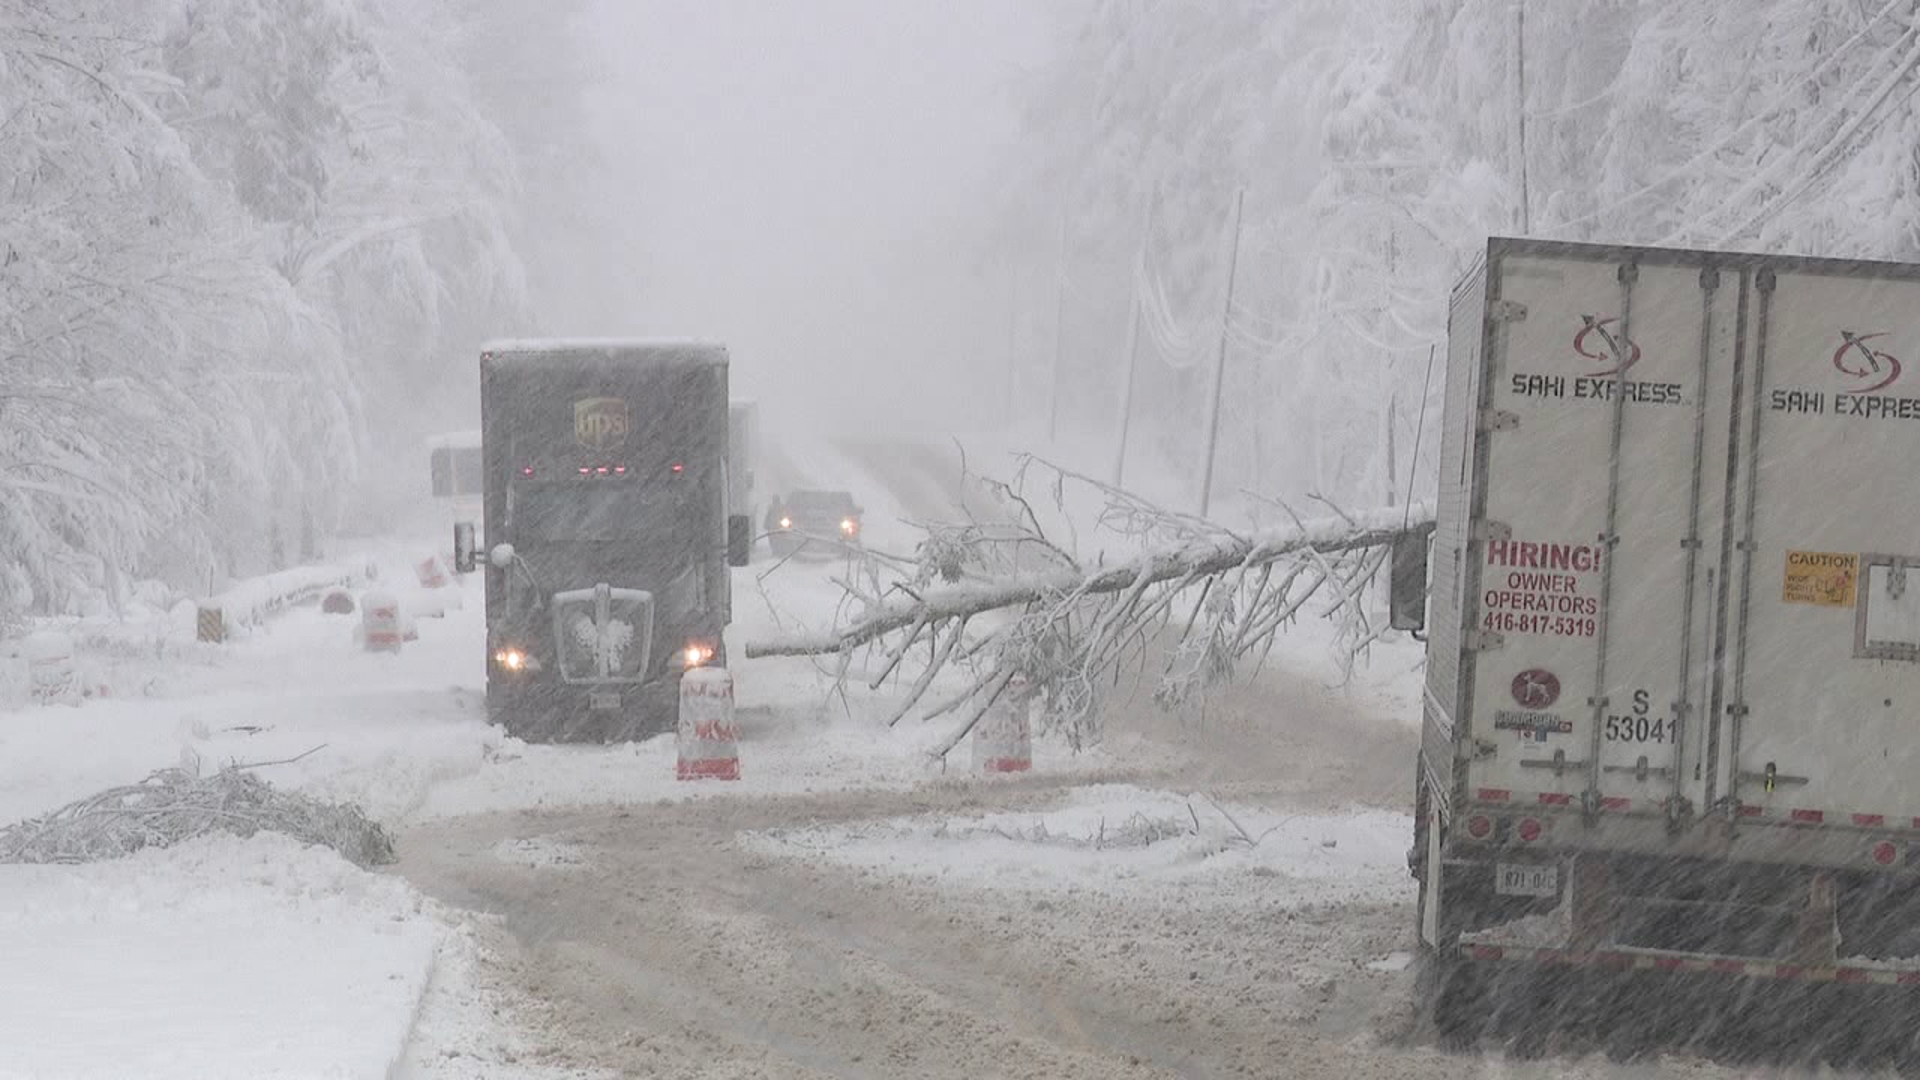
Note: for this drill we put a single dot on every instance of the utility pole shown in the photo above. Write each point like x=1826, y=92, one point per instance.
x=1013, y=344
x=1131, y=355
x=1126, y=392
x=1517, y=50
x=1220, y=361
x=1059, y=334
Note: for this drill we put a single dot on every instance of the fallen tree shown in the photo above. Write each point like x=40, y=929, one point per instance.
x=1022, y=615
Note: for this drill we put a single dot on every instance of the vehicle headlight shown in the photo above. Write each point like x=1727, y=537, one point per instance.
x=786, y=523
x=847, y=526
x=695, y=655
x=511, y=659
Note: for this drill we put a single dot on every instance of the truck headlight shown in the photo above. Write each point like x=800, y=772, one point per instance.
x=511, y=659
x=786, y=523
x=848, y=526
x=695, y=655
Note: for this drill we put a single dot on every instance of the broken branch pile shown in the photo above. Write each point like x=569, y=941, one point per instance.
x=174, y=805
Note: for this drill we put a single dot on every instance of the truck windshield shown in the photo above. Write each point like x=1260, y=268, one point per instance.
x=598, y=512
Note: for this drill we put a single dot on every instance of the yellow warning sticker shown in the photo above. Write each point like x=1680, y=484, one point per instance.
x=1826, y=578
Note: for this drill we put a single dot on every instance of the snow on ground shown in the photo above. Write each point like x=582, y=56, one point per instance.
x=1386, y=680
x=541, y=852
x=1126, y=842
x=466, y=1028
x=405, y=735
x=260, y=958
x=217, y=958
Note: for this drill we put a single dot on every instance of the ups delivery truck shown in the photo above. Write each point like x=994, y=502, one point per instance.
x=605, y=506
x=1672, y=708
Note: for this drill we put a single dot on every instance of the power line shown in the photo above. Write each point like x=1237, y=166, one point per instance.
x=1772, y=107
x=1831, y=152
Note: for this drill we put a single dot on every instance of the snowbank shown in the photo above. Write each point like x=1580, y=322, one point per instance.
x=248, y=602
x=218, y=958
x=1130, y=843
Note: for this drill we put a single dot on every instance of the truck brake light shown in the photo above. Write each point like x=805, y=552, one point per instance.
x=1479, y=826
x=1529, y=830
x=1884, y=853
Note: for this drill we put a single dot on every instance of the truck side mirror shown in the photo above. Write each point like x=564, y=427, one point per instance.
x=739, y=539
x=464, y=555
x=1407, y=582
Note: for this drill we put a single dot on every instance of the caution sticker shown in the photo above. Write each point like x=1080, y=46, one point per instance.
x=1825, y=578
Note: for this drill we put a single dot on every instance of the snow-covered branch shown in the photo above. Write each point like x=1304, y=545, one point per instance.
x=1190, y=596
x=1171, y=564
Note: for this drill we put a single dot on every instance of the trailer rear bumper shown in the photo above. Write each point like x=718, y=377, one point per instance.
x=1625, y=960
x=1691, y=917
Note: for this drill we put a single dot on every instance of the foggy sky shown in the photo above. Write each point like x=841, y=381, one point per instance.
x=809, y=184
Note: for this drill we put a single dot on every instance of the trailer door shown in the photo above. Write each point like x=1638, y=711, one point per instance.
x=1602, y=505
x=1822, y=682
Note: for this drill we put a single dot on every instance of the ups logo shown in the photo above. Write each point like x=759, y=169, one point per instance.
x=600, y=423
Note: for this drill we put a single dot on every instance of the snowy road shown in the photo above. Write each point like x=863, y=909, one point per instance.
x=674, y=952
x=829, y=936
x=847, y=909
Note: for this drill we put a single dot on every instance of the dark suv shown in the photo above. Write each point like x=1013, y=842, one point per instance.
x=821, y=522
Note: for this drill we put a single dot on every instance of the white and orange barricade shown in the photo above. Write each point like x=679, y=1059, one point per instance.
x=380, y=629
x=432, y=573
x=1003, y=737
x=708, y=743
x=51, y=673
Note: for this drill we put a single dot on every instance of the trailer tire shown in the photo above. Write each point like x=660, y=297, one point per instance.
x=1452, y=992
x=1905, y=1051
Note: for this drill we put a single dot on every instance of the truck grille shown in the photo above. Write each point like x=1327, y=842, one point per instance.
x=603, y=634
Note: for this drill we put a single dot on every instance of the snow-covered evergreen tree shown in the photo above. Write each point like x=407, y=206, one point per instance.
x=1382, y=141
x=226, y=225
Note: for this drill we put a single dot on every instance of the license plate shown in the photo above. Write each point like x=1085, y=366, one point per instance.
x=603, y=699
x=1526, y=879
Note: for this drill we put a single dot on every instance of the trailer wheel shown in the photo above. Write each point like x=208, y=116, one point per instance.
x=1905, y=1050
x=1452, y=991
x=1453, y=998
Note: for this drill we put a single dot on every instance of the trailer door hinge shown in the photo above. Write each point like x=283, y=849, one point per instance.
x=1558, y=763
x=1486, y=530
x=1482, y=749
x=1507, y=311
x=1641, y=769
x=1499, y=420
x=1484, y=640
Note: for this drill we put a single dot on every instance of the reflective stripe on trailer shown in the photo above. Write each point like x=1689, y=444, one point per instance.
x=1560, y=798
x=1656, y=960
x=1785, y=815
